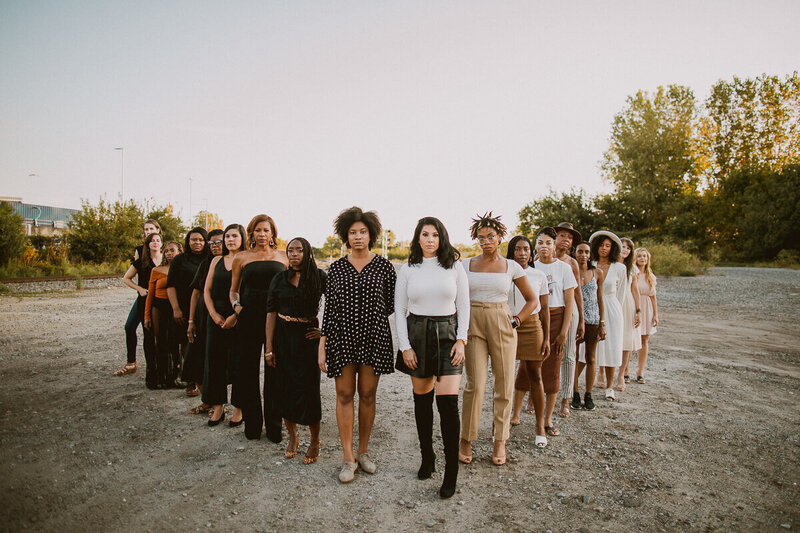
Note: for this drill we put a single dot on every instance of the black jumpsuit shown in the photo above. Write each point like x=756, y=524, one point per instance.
x=219, y=368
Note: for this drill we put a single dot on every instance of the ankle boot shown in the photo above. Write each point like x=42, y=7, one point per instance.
x=451, y=426
x=423, y=413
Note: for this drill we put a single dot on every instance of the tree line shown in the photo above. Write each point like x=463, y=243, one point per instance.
x=721, y=176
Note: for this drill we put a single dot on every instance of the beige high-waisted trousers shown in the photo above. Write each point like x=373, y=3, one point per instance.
x=490, y=336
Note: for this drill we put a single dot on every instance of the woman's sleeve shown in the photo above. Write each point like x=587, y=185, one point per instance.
x=462, y=302
x=330, y=290
x=401, y=308
x=388, y=288
x=174, y=271
x=655, y=283
x=272, y=298
x=569, y=277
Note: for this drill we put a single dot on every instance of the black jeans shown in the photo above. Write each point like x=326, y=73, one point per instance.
x=134, y=319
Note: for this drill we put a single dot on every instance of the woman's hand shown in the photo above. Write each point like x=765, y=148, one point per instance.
x=312, y=333
x=217, y=318
x=230, y=322
x=558, y=345
x=191, y=331
x=655, y=320
x=410, y=358
x=636, y=320
x=601, y=335
x=269, y=359
x=321, y=358
x=581, y=330
x=545, y=348
x=457, y=353
x=148, y=323
x=142, y=292
x=177, y=314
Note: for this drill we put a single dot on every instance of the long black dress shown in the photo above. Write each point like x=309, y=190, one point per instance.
x=220, y=343
x=182, y=270
x=194, y=363
x=296, y=357
x=254, y=291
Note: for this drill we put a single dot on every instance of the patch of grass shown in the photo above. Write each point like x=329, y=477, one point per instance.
x=19, y=269
x=668, y=259
x=4, y=289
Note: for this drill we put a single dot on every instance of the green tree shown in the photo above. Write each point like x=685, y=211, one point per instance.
x=573, y=206
x=331, y=248
x=652, y=162
x=106, y=231
x=751, y=124
x=12, y=241
x=208, y=220
x=172, y=227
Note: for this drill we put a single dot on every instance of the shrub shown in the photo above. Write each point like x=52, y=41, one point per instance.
x=668, y=259
x=12, y=241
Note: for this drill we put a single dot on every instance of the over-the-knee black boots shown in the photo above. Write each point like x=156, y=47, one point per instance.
x=451, y=427
x=423, y=414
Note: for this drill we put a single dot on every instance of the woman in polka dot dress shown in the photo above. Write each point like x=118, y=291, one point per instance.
x=356, y=343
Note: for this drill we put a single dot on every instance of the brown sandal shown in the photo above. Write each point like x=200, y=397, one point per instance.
x=129, y=368
x=309, y=459
x=200, y=409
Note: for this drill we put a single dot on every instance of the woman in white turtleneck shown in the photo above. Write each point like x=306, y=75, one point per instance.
x=432, y=317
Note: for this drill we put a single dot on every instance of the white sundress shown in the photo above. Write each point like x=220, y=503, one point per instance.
x=609, y=351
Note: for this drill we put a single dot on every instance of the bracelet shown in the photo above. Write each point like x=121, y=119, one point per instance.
x=191, y=321
x=268, y=354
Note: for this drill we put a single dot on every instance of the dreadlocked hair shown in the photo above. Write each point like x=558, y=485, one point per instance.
x=487, y=221
x=310, y=285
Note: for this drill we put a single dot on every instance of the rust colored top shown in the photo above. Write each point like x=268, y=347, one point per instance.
x=156, y=289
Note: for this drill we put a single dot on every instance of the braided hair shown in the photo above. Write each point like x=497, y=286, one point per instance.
x=487, y=221
x=310, y=284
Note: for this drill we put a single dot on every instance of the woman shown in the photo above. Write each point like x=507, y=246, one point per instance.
x=182, y=271
x=591, y=281
x=220, y=335
x=605, y=252
x=136, y=313
x=491, y=334
x=566, y=237
x=141, y=268
x=646, y=282
x=356, y=343
x=194, y=363
x=431, y=312
x=251, y=274
x=631, y=336
x=533, y=337
x=561, y=285
x=158, y=319
x=293, y=344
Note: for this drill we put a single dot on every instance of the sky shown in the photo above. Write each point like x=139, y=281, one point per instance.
x=301, y=109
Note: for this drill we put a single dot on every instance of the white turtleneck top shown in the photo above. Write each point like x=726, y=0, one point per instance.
x=427, y=289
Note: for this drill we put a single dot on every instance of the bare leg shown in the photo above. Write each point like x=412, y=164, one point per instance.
x=516, y=407
x=291, y=447
x=537, y=393
x=550, y=406
x=367, y=389
x=312, y=454
x=237, y=415
x=345, y=392
x=609, y=370
x=578, y=369
x=643, y=355
x=626, y=358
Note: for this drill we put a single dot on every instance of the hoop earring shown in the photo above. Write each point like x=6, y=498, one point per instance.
x=271, y=242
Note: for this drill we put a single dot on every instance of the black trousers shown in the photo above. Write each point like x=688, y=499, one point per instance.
x=219, y=362
x=251, y=354
x=165, y=346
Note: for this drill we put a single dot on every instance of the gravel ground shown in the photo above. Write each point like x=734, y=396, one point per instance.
x=63, y=286
x=709, y=443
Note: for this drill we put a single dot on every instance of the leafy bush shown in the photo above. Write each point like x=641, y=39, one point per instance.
x=668, y=259
x=12, y=241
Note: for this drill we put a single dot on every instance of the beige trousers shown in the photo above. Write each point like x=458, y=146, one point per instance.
x=490, y=337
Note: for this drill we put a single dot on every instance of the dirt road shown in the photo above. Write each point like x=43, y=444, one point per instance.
x=711, y=442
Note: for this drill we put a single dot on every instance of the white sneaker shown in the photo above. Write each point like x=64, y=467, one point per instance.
x=610, y=394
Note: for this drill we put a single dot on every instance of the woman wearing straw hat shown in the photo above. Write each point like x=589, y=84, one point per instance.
x=605, y=253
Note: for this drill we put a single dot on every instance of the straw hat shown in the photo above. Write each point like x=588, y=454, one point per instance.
x=604, y=233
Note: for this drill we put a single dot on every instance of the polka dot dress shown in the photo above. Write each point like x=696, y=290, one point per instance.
x=356, y=318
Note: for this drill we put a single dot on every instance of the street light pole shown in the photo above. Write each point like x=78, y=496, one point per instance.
x=121, y=173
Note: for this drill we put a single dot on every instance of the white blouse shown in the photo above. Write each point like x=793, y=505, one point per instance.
x=428, y=289
x=559, y=279
x=492, y=287
x=538, y=282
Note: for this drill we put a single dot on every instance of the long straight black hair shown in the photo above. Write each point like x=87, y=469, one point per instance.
x=242, y=234
x=446, y=254
x=512, y=245
x=310, y=284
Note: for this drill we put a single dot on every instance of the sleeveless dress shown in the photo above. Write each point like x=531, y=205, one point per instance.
x=631, y=336
x=591, y=312
x=609, y=351
x=645, y=292
x=254, y=291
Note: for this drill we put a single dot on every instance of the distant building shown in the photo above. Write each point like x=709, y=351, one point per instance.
x=41, y=219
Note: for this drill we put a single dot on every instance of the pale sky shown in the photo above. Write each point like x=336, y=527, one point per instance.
x=300, y=109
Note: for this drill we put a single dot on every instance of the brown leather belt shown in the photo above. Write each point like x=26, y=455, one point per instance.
x=295, y=319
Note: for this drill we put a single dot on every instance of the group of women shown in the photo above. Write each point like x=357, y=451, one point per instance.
x=210, y=313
